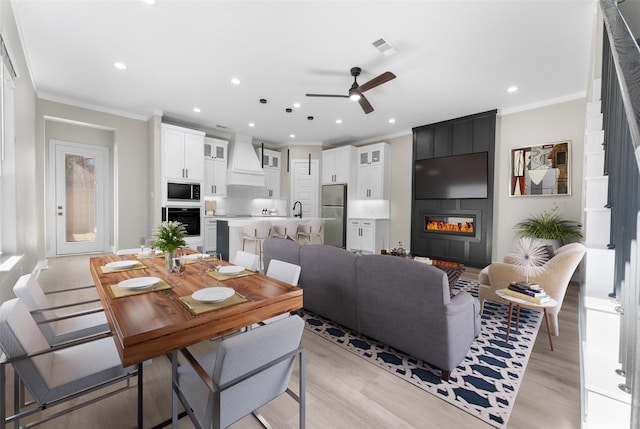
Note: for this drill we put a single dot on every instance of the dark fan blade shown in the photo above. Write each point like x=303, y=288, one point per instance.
x=364, y=103
x=327, y=95
x=384, y=77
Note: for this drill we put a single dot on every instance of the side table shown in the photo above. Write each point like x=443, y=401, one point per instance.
x=527, y=304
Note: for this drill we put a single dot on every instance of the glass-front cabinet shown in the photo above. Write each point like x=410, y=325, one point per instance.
x=373, y=172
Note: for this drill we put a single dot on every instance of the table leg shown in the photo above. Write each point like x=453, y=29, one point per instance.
x=546, y=319
x=140, y=400
x=509, y=321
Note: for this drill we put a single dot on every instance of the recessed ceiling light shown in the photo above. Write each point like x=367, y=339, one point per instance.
x=119, y=65
x=338, y=121
x=392, y=121
x=292, y=136
x=196, y=109
x=251, y=124
x=296, y=105
x=512, y=89
x=235, y=81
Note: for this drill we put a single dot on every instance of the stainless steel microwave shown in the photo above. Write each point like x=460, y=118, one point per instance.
x=183, y=192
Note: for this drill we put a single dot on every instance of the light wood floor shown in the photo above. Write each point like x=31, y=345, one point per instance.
x=344, y=391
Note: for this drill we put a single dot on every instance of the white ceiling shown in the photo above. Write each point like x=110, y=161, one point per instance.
x=455, y=58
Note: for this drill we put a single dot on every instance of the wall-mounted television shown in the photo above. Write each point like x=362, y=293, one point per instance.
x=452, y=177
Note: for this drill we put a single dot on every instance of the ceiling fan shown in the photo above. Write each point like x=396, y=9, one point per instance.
x=355, y=92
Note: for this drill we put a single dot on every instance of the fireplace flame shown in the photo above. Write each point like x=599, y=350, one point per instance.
x=466, y=227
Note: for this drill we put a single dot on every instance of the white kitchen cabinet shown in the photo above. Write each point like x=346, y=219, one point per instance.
x=215, y=148
x=210, y=232
x=215, y=167
x=373, y=172
x=368, y=235
x=271, y=167
x=215, y=178
x=337, y=165
x=182, y=150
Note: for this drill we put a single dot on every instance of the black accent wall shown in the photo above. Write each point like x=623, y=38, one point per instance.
x=469, y=134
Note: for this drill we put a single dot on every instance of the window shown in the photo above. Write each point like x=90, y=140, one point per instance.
x=7, y=155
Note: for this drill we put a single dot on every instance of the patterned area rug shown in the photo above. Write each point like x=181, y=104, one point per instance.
x=485, y=384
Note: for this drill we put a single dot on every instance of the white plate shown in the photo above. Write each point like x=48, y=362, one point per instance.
x=138, y=282
x=231, y=269
x=213, y=294
x=121, y=264
x=195, y=256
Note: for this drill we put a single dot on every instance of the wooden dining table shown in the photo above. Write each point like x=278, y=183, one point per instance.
x=157, y=321
x=151, y=324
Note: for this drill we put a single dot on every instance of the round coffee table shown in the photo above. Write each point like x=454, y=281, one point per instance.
x=512, y=300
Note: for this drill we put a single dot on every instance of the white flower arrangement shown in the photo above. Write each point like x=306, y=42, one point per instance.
x=528, y=256
x=170, y=236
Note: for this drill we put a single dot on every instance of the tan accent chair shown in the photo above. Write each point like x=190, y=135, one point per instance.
x=554, y=277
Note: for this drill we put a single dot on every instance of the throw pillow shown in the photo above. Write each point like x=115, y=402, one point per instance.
x=548, y=250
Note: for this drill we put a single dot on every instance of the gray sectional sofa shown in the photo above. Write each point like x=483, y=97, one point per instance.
x=400, y=302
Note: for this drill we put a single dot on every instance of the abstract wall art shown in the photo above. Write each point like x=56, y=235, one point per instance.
x=540, y=170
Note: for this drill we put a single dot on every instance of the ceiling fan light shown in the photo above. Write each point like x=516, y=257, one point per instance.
x=354, y=97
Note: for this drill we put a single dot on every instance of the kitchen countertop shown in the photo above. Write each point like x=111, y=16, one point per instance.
x=234, y=221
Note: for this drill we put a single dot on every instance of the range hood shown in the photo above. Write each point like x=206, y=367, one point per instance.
x=244, y=167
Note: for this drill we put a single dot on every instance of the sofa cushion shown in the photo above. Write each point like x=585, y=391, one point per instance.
x=328, y=279
x=280, y=248
x=402, y=303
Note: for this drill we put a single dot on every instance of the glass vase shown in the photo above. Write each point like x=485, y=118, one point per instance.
x=168, y=259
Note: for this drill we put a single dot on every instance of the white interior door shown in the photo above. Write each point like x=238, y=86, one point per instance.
x=80, y=173
x=305, y=186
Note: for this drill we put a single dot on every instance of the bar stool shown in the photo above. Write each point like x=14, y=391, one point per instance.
x=310, y=229
x=286, y=229
x=256, y=232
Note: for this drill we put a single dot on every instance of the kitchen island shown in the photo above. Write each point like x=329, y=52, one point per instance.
x=230, y=230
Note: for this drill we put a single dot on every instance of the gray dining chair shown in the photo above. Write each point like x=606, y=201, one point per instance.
x=59, y=327
x=246, y=372
x=55, y=375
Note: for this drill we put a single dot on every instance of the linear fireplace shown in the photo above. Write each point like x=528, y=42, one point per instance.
x=455, y=224
x=446, y=224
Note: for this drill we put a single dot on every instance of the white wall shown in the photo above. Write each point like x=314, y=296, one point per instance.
x=130, y=168
x=565, y=121
x=400, y=190
x=25, y=235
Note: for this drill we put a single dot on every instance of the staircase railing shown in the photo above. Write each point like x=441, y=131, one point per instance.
x=621, y=123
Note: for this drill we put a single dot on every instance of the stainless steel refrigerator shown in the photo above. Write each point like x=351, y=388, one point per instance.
x=334, y=211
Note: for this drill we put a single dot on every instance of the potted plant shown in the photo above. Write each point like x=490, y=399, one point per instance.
x=549, y=225
x=169, y=236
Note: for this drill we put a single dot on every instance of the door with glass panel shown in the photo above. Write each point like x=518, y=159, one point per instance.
x=80, y=197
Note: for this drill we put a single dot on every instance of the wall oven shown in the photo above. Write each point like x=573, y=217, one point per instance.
x=189, y=216
x=184, y=192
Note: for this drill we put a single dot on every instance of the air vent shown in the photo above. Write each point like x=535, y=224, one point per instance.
x=384, y=47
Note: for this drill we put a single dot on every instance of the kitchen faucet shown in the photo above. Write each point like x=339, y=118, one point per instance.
x=299, y=214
